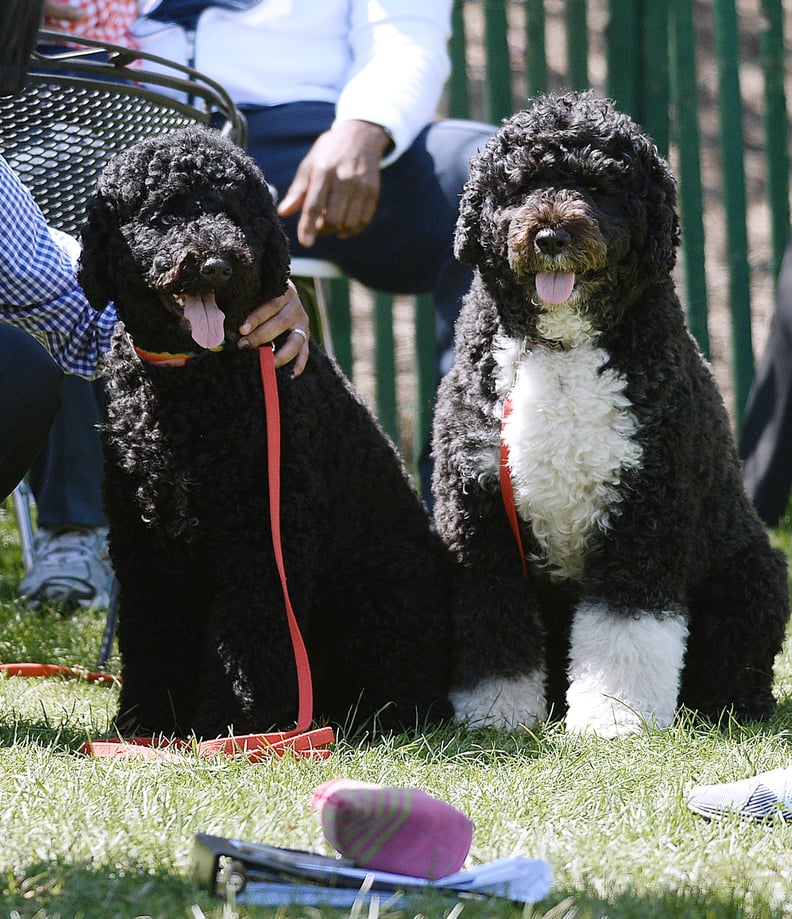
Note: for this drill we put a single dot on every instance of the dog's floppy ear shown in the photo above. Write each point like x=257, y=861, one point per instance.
x=259, y=205
x=274, y=261
x=467, y=237
x=662, y=216
x=100, y=227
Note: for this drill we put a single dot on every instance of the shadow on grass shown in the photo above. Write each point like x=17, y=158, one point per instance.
x=42, y=733
x=451, y=742
x=782, y=719
x=728, y=726
x=61, y=889
x=672, y=904
x=96, y=892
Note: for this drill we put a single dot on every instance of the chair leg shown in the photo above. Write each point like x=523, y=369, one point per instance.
x=111, y=624
x=22, y=501
x=324, y=316
x=314, y=295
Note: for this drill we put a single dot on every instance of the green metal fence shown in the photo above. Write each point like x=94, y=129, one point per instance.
x=674, y=65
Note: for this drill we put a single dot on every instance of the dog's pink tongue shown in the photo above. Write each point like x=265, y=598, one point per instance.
x=554, y=286
x=206, y=320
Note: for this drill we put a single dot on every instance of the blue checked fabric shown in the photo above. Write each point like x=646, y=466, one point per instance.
x=39, y=291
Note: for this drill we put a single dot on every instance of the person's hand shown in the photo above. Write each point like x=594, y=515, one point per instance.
x=272, y=319
x=337, y=185
x=61, y=10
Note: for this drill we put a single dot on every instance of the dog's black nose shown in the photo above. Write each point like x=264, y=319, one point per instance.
x=552, y=241
x=216, y=270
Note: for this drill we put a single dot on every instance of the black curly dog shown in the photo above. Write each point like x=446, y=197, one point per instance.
x=650, y=579
x=183, y=237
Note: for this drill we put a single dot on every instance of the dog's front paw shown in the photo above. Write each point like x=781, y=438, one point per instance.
x=623, y=669
x=507, y=703
x=590, y=710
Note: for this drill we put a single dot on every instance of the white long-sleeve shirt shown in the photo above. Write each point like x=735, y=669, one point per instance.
x=383, y=61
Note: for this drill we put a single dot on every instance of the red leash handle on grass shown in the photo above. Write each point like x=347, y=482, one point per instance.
x=253, y=747
x=31, y=669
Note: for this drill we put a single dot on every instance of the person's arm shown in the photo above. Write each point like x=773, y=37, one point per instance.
x=400, y=66
x=39, y=292
x=401, y=62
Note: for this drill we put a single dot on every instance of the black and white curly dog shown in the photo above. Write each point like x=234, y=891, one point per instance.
x=183, y=237
x=650, y=579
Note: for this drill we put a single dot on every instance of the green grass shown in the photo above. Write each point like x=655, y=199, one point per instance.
x=99, y=838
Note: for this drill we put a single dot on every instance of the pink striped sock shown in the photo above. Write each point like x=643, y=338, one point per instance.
x=401, y=830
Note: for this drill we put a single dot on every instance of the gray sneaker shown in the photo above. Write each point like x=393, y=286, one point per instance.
x=70, y=567
x=768, y=794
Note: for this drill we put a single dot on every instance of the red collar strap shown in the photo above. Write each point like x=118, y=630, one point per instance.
x=301, y=741
x=507, y=489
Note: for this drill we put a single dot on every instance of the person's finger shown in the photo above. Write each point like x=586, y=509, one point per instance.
x=313, y=217
x=294, y=197
x=261, y=316
x=351, y=200
x=361, y=206
x=274, y=317
x=301, y=361
x=294, y=348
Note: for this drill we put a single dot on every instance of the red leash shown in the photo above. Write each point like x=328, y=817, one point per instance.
x=301, y=740
x=270, y=385
x=507, y=489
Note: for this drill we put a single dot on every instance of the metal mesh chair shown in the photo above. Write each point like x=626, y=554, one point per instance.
x=82, y=105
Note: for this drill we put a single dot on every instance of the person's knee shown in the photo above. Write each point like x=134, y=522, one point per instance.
x=452, y=143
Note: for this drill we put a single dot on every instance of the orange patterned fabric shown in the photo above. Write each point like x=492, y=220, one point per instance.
x=102, y=20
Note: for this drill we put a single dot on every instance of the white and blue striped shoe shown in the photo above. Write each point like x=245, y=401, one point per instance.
x=761, y=797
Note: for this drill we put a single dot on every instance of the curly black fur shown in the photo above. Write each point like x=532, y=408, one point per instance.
x=202, y=624
x=573, y=187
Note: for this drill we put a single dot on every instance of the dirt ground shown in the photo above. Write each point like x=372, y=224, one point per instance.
x=760, y=252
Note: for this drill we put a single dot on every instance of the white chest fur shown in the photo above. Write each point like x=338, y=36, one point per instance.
x=570, y=438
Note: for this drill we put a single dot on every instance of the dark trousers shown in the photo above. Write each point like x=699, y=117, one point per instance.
x=30, y=385
x=766, y=440
x=66, y=477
